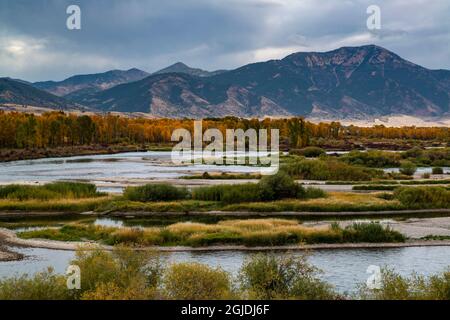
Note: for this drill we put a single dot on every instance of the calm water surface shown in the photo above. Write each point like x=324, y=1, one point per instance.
x=344, y=268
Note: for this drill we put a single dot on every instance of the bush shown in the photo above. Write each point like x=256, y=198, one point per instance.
x=42, y=286
x=438, y=170
x=423, y=197
x=279, y=186
x=194, y=281
x=393, y=286
x=269, y=188
x=280, y=277
x=123, y=269
x=329, y=170
x=309, y=152
x=408, y=168
x=155, y=192
x=371, y=232
x=373, y=158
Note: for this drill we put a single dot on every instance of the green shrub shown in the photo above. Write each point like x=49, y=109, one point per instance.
x=249, y=192
x=282, y=277
x=394, y=286
x=372, y=158
x=210, y=193
x=279, y=186
x=371, y=232
x=408, y=168
x=155, y=192
x=194, y=281
x=269, y=188
x=309, y=152
x=423, y=197
x=42, y=286
x=329, y=170
x=438, y=170
x=123, y=268
x=426, y=175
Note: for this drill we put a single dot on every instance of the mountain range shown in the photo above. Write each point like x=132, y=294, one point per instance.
x=349, y=82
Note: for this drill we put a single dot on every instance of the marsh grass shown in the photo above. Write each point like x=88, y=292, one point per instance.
x=51, y=191
x=155, y=192
x=251, y=232
x=329, y=169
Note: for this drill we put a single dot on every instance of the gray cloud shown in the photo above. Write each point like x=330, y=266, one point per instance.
x=211, y=34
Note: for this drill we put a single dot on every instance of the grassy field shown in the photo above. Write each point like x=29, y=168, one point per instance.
x=249, y=232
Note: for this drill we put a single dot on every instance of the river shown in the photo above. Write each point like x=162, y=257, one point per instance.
x=344, y=268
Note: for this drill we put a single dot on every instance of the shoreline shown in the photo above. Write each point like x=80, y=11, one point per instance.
x=10, y=155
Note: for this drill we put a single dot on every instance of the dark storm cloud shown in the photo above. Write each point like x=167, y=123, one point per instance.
x=212, y=34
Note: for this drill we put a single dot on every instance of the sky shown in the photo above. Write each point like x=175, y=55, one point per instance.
x=36, y=45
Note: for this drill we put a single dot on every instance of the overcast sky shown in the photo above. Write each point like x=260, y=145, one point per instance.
x=35, y=43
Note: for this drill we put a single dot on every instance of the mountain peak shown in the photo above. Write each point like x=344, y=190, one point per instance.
x=180, y=67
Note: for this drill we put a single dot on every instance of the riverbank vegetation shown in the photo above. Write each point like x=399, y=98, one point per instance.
x=124, y=274
x=57, y=129
x=50, y=191
x=251, y=232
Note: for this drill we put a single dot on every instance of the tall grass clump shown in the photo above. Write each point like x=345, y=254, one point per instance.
x=282, y=277
x=329, y=169
x=372, y=158
x=155, y=192
x=371, y=232
x=194, y=281
x=269, y=188
x=309, y=152
x=423, y=197
x=55, y=190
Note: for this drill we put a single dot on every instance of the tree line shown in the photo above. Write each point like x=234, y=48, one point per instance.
x=57, y=129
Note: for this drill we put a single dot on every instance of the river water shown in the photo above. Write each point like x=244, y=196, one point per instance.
x=344, y=268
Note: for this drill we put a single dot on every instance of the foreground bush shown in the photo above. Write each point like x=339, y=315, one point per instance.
x=126, y=274
x=194, y=281
x=423, y=197
x=42, y=286
x=279, y=277
x=121, y=274
x=56, y=190
x=394, y=286
x=155, y=192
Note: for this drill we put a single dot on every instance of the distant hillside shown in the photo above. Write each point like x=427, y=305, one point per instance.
x=21, y=93
x=79, y=85
x=180, y=67
x=350, y=82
